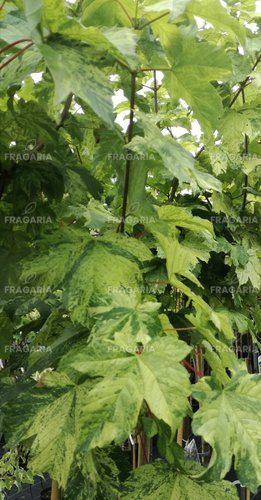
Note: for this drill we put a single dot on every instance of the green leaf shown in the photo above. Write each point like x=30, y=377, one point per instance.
x=133, y=246
x=111, y=411
x=13, y=28
x=72, y=73
x=161, y=380
x=128, y=322
x=207, y=63
x=56, y=256
x=95, y=215
x=204, y=320
x=33, y=12
x=65, y=418
x=182, y=217
x=53, y=13
x=14, y=74
x=50, y=424
x=251, y=271
x=94, y=475
x=93, y=185
x=88, y=268
x=108, y=13
x=119, y=42
x=159, y=480
x=201, y=96
x=35, y=124
x=229, y=420
x=175, y=7
x=177, y=161
x=166, y=383
x=99, y=270
x=182, y=257
x=125, y=41
x=218, y=16
x=232, y=126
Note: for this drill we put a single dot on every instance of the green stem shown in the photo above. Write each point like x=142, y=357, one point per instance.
x=199, y=152
x=246, y=152
x=128, y=161
x=65, y=111
x=154, y=20
x=175, y=181
x=154, y=69
x=126, y=12
x=136, y=15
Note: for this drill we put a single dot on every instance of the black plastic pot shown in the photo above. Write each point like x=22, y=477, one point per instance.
x=46, y=494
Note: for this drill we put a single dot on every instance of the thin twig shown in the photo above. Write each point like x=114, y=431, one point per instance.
x=199, y=152
x=65, y=111
x=156, y=106
x=63, y=116
x=78, y=154
x=20, y=52
x=174, y=187
x=244, y=83
x=1, y=7
x=141, y=70
x=208, y=202
x=186, y=363
x=179, y=329
x=6, y=47
x=175, y=181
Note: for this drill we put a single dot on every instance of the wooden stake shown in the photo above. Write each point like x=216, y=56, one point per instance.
x=139, y=458
x=56, y=492
x=180, y=434
x=247, y=494
x=134, y=448
x=199, y=362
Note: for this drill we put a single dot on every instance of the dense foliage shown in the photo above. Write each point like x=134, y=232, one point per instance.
x=130, y=169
